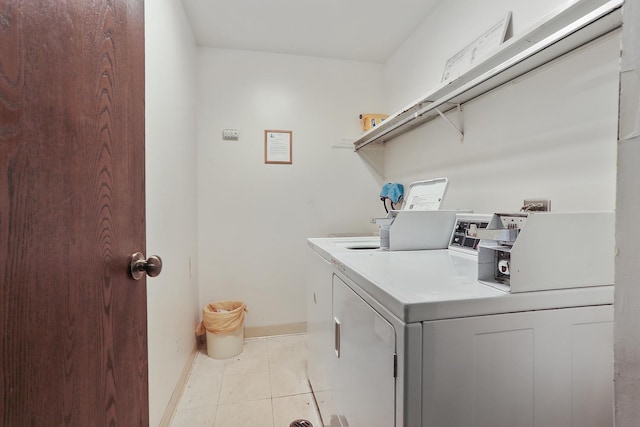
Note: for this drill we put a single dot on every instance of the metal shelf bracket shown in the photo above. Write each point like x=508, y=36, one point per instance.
x=458, y=127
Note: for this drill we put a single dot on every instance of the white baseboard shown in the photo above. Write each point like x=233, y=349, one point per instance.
x=283, y=329
x=179, y=389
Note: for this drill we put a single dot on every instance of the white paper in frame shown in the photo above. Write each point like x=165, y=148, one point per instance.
x=278, y=146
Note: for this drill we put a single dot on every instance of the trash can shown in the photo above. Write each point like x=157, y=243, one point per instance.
x=223, y=322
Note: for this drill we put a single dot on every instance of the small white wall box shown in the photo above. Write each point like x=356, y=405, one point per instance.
x=537, y=251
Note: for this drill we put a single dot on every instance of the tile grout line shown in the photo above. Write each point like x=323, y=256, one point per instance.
x=273, y=411
x=215, y=418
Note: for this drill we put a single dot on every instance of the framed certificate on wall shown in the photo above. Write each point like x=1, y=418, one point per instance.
x=278, y=146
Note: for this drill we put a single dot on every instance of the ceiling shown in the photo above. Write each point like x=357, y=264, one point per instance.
x=364, y=30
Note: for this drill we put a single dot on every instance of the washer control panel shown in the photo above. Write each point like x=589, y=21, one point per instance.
x=464, y=236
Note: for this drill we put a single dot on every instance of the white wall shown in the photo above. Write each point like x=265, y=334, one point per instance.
x=172, y=297
x=254, y=218
x=550, y=134
x=627, y=296
x=416, y=67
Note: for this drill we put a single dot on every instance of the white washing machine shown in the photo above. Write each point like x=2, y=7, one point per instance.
x=412, y=338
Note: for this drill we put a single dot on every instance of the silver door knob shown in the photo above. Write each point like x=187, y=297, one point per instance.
x=138, y=266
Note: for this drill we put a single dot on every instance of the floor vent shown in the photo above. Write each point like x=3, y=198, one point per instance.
x=300, y=423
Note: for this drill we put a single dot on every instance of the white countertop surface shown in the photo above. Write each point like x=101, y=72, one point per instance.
x=438, y=284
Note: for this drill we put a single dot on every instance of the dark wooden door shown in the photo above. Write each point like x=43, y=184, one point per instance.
x=72, y=323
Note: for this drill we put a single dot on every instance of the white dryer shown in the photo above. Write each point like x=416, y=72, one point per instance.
x=412, y=338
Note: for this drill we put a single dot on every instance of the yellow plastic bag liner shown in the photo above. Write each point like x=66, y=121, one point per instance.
x=221, y=317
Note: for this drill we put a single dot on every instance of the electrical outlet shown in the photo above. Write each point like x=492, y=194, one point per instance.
x=530, y=205
x=230, y=134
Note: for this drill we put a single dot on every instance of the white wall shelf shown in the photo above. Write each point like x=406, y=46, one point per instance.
x=556, y=35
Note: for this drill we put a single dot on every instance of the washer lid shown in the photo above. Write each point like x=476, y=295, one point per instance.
x=425, y=195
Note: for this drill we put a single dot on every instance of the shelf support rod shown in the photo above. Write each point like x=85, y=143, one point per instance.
x=459, y=128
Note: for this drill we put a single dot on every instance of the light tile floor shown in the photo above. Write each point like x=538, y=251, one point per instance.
x=264, y=386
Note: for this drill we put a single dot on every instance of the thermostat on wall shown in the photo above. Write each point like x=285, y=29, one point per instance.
x=230, y=134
